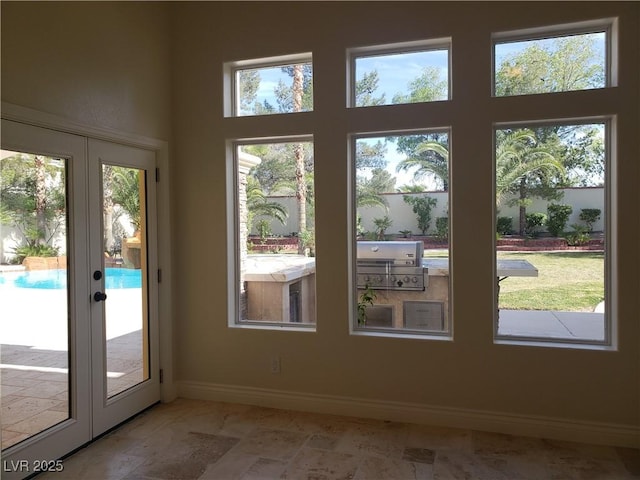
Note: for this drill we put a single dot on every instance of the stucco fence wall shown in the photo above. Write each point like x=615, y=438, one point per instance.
x=403, y=217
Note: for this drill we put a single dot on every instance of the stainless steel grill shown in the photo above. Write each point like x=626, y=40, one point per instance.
x=390, y=266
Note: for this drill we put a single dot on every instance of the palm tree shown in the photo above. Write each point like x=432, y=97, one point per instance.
x=257, y=204
x=125, y=191
x=522, y=165
x=436, y=163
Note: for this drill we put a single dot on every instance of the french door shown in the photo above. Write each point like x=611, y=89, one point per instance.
x=78, y=293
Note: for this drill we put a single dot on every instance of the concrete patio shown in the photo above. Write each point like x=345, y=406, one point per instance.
x=588, y=326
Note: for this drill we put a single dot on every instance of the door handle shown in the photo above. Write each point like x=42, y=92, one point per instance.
x=99, y=296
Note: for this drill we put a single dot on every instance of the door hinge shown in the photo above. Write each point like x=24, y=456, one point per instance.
x=161, y=376
x=159, y=275
x=157, y=175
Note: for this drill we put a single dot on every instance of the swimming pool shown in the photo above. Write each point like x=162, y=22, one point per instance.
x=57, y=278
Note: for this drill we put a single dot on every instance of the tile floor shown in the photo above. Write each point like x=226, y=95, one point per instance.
x=192, y=439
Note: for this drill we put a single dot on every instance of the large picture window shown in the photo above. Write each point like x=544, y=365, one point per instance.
x=552, y=232
x=274, y=232
x=401, y=198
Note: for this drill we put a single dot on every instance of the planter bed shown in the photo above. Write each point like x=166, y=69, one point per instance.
x=277, y=244
x=517, y=243
x=549, y=243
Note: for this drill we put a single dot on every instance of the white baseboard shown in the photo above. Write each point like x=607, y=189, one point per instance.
x=532, y=426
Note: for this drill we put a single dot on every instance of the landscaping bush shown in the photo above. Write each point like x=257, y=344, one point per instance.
x=534, y=222
x=579, y=236
x=264, y=229
x=442, y=227
x=36, y=251
x=558, y=218
x=504, y=226
x=422, y=208
x=382, y=224
x=590, y=216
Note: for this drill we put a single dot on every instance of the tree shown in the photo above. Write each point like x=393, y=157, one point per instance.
x=371, y=177
x=427, y=87
x=421, y=206
x=525, y=168
x=125, y=186
x=249, y=82
x=557, y=65
x=369, y=192
x=258, y=205
x=428, y=157
x=32, y=196
x=365, y=88
x=297, y=96
x=412, y=188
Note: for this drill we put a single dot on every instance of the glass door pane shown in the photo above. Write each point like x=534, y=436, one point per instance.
x=124, y=288
x=125, y=262
x=34, y=297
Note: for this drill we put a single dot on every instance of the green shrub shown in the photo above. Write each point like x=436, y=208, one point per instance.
x=422, y=208
x=442, y=227
x=590, y=216
x=533, y=223
x=264, y=229
x=382, y=224
x=579, y=236
x=504, y=226
x=558, y=218
x=36, y=251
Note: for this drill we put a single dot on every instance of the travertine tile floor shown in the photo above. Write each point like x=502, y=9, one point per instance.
x=191, y=439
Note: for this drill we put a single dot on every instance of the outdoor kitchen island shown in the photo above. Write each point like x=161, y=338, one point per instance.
x=406, y=291
x=280, y=288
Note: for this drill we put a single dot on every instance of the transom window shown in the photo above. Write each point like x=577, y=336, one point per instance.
x=270, y=86
x=541, y=62
x=400, y=73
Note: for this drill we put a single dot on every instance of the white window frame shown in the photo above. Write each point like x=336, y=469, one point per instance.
x=393, y=49
x=233, y=234
x=231, y=87
x=608, y=26
x=610, y=254
x=354, y=329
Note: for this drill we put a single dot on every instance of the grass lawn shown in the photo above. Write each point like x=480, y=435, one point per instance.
x=566, y=281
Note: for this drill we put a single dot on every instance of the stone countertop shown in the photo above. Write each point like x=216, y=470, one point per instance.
x=278, y=268
x=506, y=268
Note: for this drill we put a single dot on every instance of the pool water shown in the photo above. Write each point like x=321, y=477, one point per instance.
x=57, y=278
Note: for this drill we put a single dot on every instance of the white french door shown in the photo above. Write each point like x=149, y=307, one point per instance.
x=124, y=333
x=78, y=326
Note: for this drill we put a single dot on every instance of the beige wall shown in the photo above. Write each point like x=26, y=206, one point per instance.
x=106, y=65
x=471, y=372
x=403, y=218
x=101, y=64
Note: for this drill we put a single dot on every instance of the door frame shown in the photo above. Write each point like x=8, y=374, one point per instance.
x=17, y=113
x=75, y=430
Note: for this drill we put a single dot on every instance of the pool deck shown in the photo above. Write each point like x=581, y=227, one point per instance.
x=34, y=356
